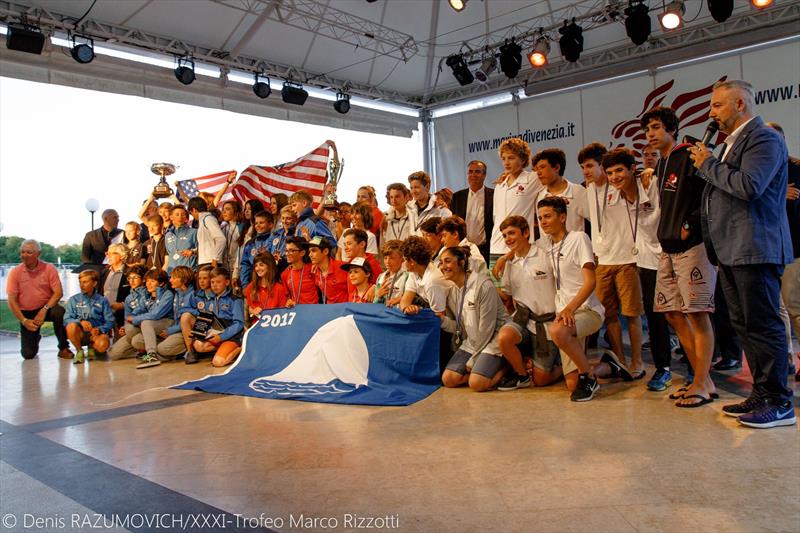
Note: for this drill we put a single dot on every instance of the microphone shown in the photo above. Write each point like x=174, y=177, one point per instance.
x=711, y=129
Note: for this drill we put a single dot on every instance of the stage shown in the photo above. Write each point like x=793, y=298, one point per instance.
x=104, y=443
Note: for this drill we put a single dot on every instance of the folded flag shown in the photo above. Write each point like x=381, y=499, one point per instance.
x=343, y=353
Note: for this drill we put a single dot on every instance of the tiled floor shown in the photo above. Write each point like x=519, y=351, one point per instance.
x=528, y=460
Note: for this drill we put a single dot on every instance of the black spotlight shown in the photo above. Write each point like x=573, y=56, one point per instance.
x=185, y=70
x=293, y=93
x=342, y=103
x=261, y=88
x=510, y=58
x=460, y=69
x=721, y=10
x=637, y=22
x=24, y=38
x=571, y=41
x=82, y=52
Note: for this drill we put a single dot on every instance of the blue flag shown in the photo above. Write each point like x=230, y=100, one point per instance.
x=343, y=353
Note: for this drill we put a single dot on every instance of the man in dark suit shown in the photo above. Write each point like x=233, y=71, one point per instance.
x=475, y=205
x=96, y=242
x=745, y=227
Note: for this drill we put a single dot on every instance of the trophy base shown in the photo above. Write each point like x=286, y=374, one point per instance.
x=162, y=191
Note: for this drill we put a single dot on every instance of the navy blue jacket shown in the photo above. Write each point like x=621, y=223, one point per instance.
x=744, y=201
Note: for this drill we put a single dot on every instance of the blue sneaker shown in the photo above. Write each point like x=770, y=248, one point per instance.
x=662, y=378
x=770, y=416
x=689, y=376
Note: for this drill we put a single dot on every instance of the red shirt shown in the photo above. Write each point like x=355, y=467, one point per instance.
x=33, y=288
x=266, y=299
x=333, y=284
x=377, y=219
x=300, y=285
x=373, y=278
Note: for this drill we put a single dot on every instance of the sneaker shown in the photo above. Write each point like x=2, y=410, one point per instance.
x=587, y=387
x=78, y=358
x=770, y=416
x=191, y=357
x=514, y=381
x=689, y=376
x=662, y=378
x=90, y=354
x=148, y=360
x=742, y=408
x=65, y=353
x=618, y=370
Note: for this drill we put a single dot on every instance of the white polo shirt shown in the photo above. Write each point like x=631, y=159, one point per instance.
x=529, y=280
x=597, y=197
x=431, y=286
x=647, y=237
x=619, y=225
x=519, y=198
x=567, y=260
x=577, y=208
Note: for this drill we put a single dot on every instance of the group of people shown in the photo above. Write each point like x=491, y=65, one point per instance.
x=523, y=275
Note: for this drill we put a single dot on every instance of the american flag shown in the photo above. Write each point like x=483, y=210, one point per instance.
x=210, y=184
x=308, y=173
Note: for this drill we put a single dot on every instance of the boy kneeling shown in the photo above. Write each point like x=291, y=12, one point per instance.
x=578, y=311
x=88, y=318
x=227, y=312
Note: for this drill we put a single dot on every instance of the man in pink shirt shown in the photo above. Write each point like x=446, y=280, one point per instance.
x=34, y=290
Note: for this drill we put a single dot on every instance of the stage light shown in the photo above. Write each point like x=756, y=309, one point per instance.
x=460, y=69
x=24, y=38
x=185, y=70
x=538, y=56
x=262, y=89
x=510, y=58
x=82, y=52
x=637, y=22
x=458, y=5
x=488, y=65
x=672, y=17
x=342, y=103
x=761, y=4
x=720, y=10
x=293, y=93
x=571, y=41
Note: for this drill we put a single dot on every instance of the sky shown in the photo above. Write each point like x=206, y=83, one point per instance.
x=60, y=146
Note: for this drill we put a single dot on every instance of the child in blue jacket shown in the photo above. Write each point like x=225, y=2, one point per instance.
x=155, y=319
x=88, y=318
x=134, y=305
x=228, y=311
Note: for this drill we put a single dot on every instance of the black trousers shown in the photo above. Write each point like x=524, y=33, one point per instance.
x=657, y=325
x=30, y=339
x=753, y=296
x=726, y=341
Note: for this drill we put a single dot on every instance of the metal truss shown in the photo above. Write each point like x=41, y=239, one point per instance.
x=741, y=29
x=50, y=21
x=321, y=19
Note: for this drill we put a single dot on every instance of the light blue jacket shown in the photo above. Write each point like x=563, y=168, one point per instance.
x=158, y=307
x=94, y=308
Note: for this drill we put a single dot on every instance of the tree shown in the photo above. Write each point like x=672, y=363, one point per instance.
x=9, y=251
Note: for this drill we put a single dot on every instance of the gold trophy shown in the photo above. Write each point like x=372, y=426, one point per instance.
x=335, y=168
x=162, y=188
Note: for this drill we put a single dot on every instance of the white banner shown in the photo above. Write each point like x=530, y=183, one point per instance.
x=609, y=113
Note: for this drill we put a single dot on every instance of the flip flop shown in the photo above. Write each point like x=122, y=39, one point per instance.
x=638, y=375
x=703, y=401
x=677, y=395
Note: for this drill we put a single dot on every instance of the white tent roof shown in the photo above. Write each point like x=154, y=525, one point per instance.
x=386, y=50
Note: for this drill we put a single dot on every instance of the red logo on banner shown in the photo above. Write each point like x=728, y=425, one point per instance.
x=691, y=108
